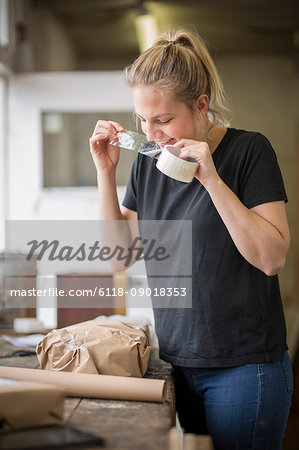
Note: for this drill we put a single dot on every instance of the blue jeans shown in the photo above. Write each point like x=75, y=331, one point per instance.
x=244, y=407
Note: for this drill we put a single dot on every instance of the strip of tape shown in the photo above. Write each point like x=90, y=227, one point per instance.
x=137, y=142
x=168, y=163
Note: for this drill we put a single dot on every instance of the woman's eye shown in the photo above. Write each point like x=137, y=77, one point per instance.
x=160, y=122
x=166, y=121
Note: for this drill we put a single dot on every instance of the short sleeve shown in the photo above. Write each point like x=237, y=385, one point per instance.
x=130, y=199
x=261, y=180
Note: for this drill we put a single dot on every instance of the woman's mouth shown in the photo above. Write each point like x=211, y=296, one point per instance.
x=171, y=141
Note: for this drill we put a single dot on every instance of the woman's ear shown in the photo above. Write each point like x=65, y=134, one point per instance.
x=202, y=104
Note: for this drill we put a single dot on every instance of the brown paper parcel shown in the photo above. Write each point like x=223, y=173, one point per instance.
x=93, y=386
x=26, y=405
x=103, y=346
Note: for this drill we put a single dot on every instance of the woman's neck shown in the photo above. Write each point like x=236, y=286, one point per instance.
x=214, y=136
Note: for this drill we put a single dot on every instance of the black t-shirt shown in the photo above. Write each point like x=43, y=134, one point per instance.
x=236, y=316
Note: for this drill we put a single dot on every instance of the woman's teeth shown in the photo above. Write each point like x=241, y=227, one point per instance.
x=165, y=142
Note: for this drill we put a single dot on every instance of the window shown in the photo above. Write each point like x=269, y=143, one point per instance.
x=66, y=157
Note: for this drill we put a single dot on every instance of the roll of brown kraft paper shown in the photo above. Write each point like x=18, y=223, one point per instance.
x=92, y=386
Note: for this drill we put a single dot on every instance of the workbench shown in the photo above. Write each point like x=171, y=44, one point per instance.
x=126, y=425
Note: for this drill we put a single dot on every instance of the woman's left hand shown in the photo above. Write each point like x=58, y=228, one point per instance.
x=200, y=151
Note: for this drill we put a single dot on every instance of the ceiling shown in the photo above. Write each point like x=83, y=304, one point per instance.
x=104, y=36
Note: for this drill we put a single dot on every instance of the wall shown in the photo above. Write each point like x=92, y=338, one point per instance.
x=44, y=44
x=3, y=156
x=265, y=91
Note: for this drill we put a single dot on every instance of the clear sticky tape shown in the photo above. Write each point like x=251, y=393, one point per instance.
x=131, y=140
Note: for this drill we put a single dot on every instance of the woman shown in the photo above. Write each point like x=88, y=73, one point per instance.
x=232, y=372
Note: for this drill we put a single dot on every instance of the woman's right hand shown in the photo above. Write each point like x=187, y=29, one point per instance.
x=105, y=156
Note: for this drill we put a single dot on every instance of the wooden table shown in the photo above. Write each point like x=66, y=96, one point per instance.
x=126, y=425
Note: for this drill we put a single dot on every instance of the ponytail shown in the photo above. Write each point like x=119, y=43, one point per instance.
x=180, y=64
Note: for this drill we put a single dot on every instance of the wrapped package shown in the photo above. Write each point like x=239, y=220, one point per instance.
x=103, y=346
x=26, y=405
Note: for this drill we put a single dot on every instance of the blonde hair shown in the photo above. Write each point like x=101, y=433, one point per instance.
x=180, y=64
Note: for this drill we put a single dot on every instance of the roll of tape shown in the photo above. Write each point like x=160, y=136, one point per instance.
x=171, y=165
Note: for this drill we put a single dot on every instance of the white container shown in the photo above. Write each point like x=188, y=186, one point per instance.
x=28, y=325
x=174, y=167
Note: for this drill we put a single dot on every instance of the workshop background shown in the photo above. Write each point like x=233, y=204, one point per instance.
x=61, y=65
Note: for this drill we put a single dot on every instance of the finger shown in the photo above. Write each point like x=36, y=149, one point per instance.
x=184, y=154
x=106, y=133
x=119, y=128
x=102, y=134
x=179, y=144
x=101, y=124
x=189, y=152
x=105, y=126
x=113, y=127
x=98, y=138
x=105, y=136
x=183, y=143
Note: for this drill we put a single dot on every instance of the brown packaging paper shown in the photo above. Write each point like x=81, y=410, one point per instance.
x=93, y=386
x=103, y=346
x=25, y=405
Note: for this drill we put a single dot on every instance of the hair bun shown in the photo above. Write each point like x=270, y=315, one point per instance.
x=184, y=41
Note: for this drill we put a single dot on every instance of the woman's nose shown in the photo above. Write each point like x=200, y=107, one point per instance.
x=152, y=132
